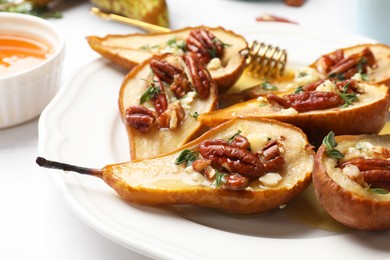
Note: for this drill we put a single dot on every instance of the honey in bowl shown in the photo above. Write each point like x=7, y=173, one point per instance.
x=19, y=53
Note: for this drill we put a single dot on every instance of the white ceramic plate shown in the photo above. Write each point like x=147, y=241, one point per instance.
x=82, y=126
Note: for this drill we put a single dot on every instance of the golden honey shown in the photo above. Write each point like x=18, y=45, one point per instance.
x=19, y=53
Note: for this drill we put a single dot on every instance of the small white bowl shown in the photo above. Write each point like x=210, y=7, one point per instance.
x=25, y=94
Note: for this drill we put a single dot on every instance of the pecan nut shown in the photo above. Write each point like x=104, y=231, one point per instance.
x=225, y=156
x=272, y=157
x=374, y=171
x=337, y=65
x=180, y=85
x=160, y=100
x=234, y=181
x=201, y=79
x=241, y=142
x=140, y=118
x=307, y=101
x=172, y=116
x=204, y=44
x=163, y=70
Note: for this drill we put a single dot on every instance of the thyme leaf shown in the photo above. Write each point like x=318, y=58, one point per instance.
x=268, y=86
x=330, y=143
x=378, y=190
x=339, y=76
x=347, y=97
x=173, y=42
x=151, y=92
x=187, y=157
x=233, y=136
x=195, y=115
x=299, y=89
x=219, y=178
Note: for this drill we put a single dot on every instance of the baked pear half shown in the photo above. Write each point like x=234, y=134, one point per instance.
x=351, y=177
x=346, y=107
x=219, y=49
x=160, y=100
x=369, y=63
x=249, y=86
x=243, y=166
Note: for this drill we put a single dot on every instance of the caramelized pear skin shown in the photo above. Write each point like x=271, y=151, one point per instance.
x=160, y=181
x=132, y=49
x=350, y=199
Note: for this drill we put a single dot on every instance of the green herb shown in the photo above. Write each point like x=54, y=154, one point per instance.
x=378, y=190
x=262, y=104
x=268, y=86
x=224, y=44
x=187, y=157
x=330, y=143
x=148, y=47
x=145, y=47
x=151, y=92
x=364, y=77
x=298, y=90
x=347, y=97
x=212, y=52
x=339, y=76
x=233, y=136
x=173, y=42
x=195, y=115
x=360, y=64
x=27, y=7
x=302, y=74
x=219, y=178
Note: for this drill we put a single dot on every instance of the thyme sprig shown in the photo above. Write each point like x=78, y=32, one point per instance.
x=187, y=157
x=152, y=91
x=330, y=143
x=347, y=97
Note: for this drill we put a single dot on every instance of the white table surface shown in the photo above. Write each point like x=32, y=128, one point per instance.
x=35, y=222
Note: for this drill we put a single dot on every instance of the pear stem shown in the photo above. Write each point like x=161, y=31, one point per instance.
x=68, y=167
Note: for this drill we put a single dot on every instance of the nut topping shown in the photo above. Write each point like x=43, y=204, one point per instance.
x=172, y=116
x=201, y=79
x=307, y=101
x=204, y=44
x=140, y=118
x=168, y=111
x=180, y=85
x=230, y=163
x=336, y=65
x=226, y=156
x=160, y=99
x=271, y=157
x=375, y=172
x=234, y=181
x=310, y=99
x=163, y=70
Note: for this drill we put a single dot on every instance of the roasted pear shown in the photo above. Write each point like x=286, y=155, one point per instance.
x=159, y=101
x=351, y=178
x=250, y=86
x=346, y=107
x=369, y=63
x=218, y=48
x=243, y=166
